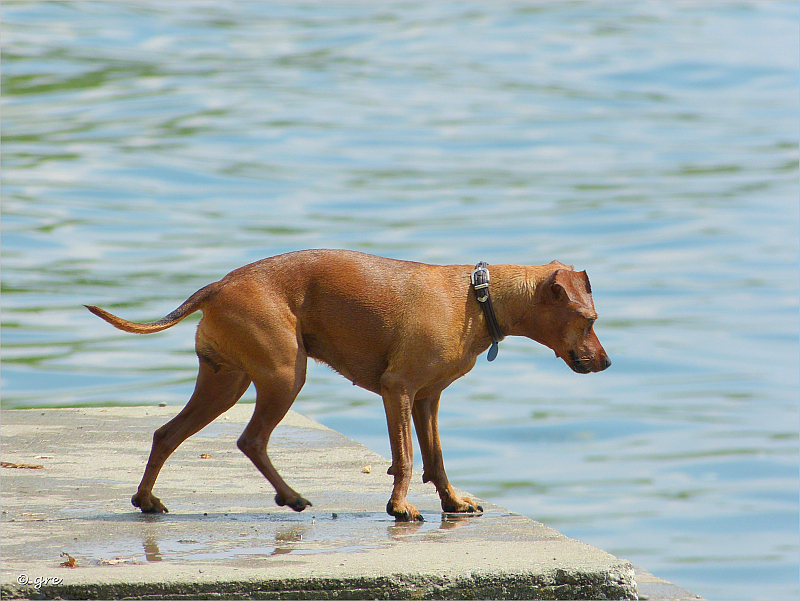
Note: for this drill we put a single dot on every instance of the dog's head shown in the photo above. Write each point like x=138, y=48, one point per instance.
x=564, y=317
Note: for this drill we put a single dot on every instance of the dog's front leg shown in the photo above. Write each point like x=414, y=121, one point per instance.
x=397, y=401
x=426, y=421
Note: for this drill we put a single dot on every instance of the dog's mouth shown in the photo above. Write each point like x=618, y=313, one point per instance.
x=587, y=365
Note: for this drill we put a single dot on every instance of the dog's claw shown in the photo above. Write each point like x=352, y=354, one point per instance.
x=462, y=506
x=298, y=504
x=408, y=517
x=409, y=514
x=154, y=506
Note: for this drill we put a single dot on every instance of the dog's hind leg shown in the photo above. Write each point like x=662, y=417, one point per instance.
x=215, y=392
x=426, y=422
x=276, y=390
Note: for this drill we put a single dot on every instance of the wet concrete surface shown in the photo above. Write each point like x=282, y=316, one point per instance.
x=225, y=538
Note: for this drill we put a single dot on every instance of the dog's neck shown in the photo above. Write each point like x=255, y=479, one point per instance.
x=513, y=289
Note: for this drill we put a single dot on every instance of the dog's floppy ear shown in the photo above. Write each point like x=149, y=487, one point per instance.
x=586, y=281
x=557, y=285
x=565, y=286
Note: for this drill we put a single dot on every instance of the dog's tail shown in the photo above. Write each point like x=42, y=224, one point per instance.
x=192, y=304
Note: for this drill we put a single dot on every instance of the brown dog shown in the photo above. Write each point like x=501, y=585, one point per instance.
x=401, y=329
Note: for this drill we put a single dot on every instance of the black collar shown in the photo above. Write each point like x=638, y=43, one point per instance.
x=480, y=282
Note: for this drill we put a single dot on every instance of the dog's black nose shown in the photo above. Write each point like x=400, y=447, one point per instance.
x=606, y=363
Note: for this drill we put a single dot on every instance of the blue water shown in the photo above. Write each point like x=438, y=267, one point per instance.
x=150, y=148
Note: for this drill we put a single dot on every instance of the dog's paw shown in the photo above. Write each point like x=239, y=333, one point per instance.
x=404, y=512
x=148, y=503
x=298, y=503
x=461, y=505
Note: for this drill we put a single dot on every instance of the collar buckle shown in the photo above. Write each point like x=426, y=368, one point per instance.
x=480, y=282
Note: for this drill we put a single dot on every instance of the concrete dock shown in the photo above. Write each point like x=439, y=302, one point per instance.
x=68, y=475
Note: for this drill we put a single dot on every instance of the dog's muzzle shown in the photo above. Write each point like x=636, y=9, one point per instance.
x=587, y=365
